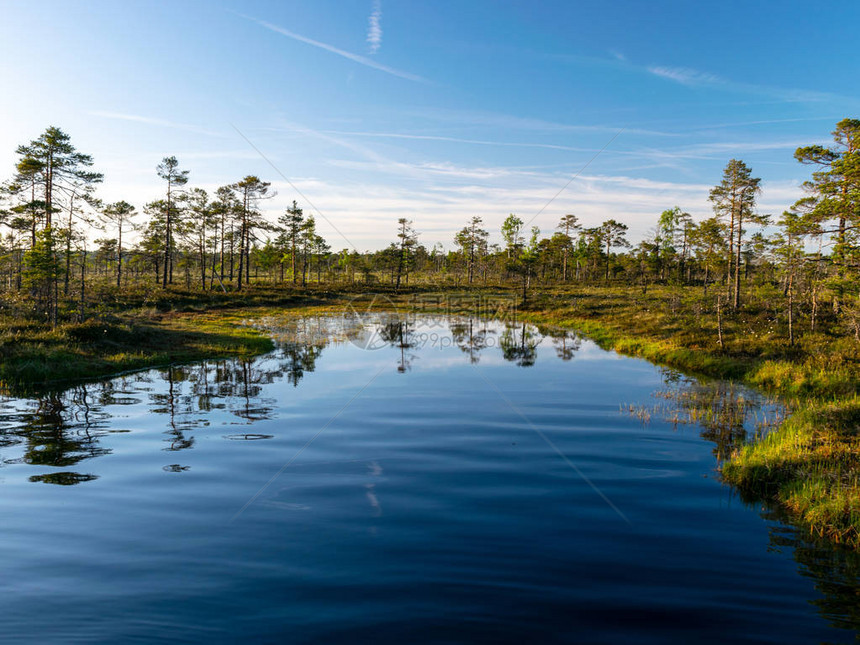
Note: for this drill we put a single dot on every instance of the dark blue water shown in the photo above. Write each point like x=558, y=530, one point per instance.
x=442, y=481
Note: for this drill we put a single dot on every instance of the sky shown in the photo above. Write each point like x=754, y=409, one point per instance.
x=364, y=111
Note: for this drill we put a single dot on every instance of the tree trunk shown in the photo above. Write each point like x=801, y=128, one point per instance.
x=791, y=308
x=241, y=254
x=203, y=264
x=737, y=290
x=247, y=256
x=67, y=277
x=168, y=224
x=83, y=284
x=119, y=257
x=720, y=321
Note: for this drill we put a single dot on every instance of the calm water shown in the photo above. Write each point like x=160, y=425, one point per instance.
x=438, y=481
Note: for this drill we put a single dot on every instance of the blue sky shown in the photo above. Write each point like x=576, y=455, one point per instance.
x=435, y=110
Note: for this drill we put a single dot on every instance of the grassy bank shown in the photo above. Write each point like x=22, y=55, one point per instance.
x=35, y=358
x=136, y=330
x=810, y=465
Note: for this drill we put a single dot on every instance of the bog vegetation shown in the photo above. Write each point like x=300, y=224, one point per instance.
x=61, y=240
x=773, y=299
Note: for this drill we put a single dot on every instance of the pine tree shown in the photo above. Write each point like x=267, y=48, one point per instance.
x=407, y=241
x=249, y=191
x=291, y=226
x=169, y=171
x=613, y=235
x=568, y=225
x=734, y=199
x=472, y=239
x=41, y=273
x=835, y=198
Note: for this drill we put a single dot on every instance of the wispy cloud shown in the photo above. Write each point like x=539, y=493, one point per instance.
x=508, y=122
x=356, y=58
x=685, y=75
x=137, y=118
x=713, y=126
x=678, y=157
x=695, y=78
x=374, y=27
x=480, y=142
x=362, y=151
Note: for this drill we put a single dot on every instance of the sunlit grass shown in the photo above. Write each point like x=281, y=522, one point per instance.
x=809, y=464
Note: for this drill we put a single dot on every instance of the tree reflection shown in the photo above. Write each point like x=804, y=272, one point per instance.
x=61, y=429
x=168, y=405
x=57, y=430
x=468, y=339
x=234, y=385
x=835, y=571
x=398, y=334
x=57, y=433
x=727, y=414
x=298, y=359
x=519, y=343
x=566, y=343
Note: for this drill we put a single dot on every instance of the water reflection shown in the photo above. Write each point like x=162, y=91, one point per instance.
x=726, y=413
x=400, y=335
x=834, y=570
x=59, y=430
x=58, y=434
x=566, y=344
x=471, y=337
x=519, y=344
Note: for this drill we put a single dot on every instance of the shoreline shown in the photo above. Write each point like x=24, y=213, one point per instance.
x=808, y=466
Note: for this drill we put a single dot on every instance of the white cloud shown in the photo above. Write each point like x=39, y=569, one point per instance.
x=374, y=27
x=360, y=203
x=696, y=78
x=440, y=197
x=136, y=118
x=685, y=75
x=356, y=58
x=480, y=142
x=713, y=126
x=508, y=122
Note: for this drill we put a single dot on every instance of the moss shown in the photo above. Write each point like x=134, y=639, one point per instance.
x=75, y=352
x=809, y=466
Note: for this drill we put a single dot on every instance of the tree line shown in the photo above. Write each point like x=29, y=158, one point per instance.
x=189, y=238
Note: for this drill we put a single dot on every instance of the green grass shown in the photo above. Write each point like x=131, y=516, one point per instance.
x=41, y=359
x=809, y=466
x=137, y=329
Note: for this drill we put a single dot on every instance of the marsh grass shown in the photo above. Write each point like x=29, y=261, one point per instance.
x=141, y=329
x=50, y=358
x=808, y=465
